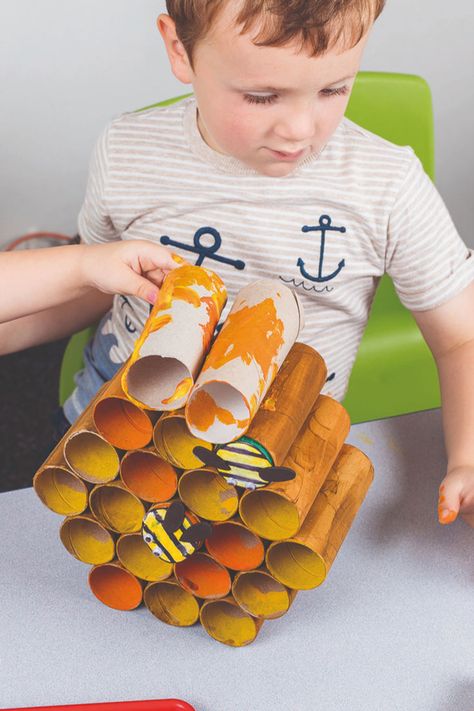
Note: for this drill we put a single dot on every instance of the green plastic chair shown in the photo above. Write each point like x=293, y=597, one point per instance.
x=394, y=372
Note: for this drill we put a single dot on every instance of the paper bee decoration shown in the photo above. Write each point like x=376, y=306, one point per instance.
x=172, y=533
x=243, y=464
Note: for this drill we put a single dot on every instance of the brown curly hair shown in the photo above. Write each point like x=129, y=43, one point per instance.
x=317, y=24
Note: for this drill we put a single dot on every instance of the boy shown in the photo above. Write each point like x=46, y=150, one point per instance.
x=260, y=175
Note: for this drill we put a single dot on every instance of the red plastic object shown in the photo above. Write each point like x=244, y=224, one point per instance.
x=159, y=705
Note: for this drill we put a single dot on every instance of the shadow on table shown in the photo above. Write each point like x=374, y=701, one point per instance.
x=460, y=698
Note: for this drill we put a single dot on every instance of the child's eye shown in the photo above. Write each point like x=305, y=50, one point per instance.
x=339, y=91
x=260, y=98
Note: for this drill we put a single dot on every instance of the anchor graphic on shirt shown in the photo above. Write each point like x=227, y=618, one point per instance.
x=325, y=225
x=203, y=250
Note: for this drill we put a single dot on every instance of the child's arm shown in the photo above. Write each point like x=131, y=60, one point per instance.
x=35, y=280
x=449, y=332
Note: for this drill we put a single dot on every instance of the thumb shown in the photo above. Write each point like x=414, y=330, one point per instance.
x=139, y=286
x=449, y=501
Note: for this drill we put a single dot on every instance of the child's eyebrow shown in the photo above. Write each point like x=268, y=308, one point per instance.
x=285, y=90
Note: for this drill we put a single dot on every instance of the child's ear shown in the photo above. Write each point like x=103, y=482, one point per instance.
x=179, y=61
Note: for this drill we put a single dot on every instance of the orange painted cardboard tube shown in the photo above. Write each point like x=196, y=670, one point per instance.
x=279, y=418
x=257, y=335
x=115, y=586
x=261, y=595
x=120, y=421
x=169, y=352
x=170, y=603
x=277, y=512
x=175, y=443
x=148, y=476
x=134, y=554
x=227, y=622
x=207, y=493
x=203, y=576
x=60, y=489
x=236, y=547
x=304, y=561
x=87, y=539
x=116, y=507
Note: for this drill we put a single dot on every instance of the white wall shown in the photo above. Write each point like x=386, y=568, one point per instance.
x=67, y=67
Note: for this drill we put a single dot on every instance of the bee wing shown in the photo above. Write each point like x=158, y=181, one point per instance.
x=210, y=458
x=273, y=474
x=196, y=533
x=174, y=516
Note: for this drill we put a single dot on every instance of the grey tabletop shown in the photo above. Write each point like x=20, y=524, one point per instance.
x=391, y=629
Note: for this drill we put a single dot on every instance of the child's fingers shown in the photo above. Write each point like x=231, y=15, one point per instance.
x=139, y=286
x=449, y=501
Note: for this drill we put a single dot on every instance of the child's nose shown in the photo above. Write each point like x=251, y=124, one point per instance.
x=294, y=128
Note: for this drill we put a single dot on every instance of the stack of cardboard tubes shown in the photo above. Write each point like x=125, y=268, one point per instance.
x=270, y=533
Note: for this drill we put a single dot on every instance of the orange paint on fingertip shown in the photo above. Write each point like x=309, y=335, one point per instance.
x=446, y=516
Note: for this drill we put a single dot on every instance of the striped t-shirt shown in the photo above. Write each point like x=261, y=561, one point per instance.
x=328, y=230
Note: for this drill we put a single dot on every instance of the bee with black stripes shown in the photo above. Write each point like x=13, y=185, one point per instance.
x=172, y=533
x=244, y=463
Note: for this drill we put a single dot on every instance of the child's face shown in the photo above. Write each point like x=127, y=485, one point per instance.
x=269, y=107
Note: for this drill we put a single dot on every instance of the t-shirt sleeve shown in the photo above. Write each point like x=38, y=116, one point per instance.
x=425, y=257
x=94, y=222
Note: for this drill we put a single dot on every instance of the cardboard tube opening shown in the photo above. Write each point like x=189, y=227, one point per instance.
x=155, y=381
x=208, y=494
x=259, y=594
x=87, y=540
x=117, y=508
x=217, y=412
x=175, y=443
x=135, y=555
x=148, y=476
x=115, y=587
x=235, y=547
x=91, y=457
x=171, y=604
x=226, y=622
x=122, y=423
x=269, y=515
x=61, y=490
x=295, y=565
x=203, y=576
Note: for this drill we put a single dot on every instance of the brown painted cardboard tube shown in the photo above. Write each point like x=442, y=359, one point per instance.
x=115, y=586
x=261, y=595
x=288, y=402
x=207, y=493
x=134, y=554
x=236, y=547
x=148, y=476
x=87, y=539
x=277, y=511
x=227, y=622
x=116, y=507
x=304, y=561
x=60, y=489
x=170, y=603
x=175, y=443
x=203, y=576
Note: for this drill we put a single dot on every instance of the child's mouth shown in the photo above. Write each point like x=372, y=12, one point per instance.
x=280, y=155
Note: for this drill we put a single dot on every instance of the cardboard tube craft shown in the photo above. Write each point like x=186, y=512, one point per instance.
x=173, y=533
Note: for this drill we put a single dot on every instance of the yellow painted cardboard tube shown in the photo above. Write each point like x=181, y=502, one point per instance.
x=175, y=443
x=207, y=493
x=61, y=490
x=148, y=476
x=277, y=511
x=169, y=352
x=87, y=539
x=236, y=547
x=116, y=507
x=304, y=561
x=115, y=586
x=261, y=595
x=170, y=603
x=227, y=622
x=134, y=554
x=91, y=457
x=203, y=576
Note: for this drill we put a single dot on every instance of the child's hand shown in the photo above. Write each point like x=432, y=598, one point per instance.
x=456, y=495
x=135, y=268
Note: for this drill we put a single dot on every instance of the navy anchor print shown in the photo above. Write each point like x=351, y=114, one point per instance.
x=204, y=251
